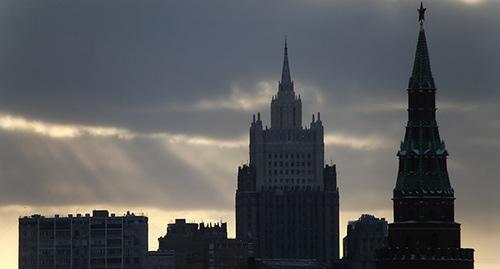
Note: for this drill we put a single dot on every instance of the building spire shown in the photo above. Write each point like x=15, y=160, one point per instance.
x=421, y=77
x=286, y=80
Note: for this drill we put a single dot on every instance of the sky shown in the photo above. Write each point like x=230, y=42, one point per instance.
x=145, y=105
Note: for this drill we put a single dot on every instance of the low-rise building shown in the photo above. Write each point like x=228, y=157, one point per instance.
x=96, y=241
x=364, y=237
x=286, y=264
x=160, y=260
x=202, y=246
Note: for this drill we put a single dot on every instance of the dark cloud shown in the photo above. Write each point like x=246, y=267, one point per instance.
x=123, y=62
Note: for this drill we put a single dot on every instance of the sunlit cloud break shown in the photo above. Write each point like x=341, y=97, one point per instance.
x=358, y=143
x=239, y=99
x=15, y=123
x=199, y=140
x=248, y=100
x=61, y=131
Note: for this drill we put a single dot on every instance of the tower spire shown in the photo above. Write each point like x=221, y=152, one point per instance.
x=421, y=77
x=422, y=155
x=286, y=80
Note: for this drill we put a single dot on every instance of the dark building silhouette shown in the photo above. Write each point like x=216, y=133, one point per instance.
x=83, y=241
x=424, y=234
x=285, y=264
x=364, y=237
x=204, y=246
x=287, y=201
x=160, y=259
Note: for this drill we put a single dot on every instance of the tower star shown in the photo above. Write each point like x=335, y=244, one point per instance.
x=421, y=13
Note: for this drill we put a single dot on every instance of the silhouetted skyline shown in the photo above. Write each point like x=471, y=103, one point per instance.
x=124, y=104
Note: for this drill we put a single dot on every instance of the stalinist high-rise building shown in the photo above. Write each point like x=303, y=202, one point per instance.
x=424, y=234
x=287, y=201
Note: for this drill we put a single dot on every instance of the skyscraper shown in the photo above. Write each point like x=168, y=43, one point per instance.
x=424, y=234
x=287, y=201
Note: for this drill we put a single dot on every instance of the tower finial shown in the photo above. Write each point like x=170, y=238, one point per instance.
x=421, y=13
x=421, y=75
x=286, y=46
x=286, y=80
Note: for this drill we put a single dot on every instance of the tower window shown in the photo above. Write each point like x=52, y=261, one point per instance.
x=407, y=241
x=434, y=241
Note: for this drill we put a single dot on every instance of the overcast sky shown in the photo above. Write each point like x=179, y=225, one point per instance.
x=146, y=104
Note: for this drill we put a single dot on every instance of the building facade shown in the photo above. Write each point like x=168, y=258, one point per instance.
x=201, y=246
x=160, y=260
x=287, y=200
x=100, y=241
x=424, y=234
x=286, y=264
x=364, y=237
